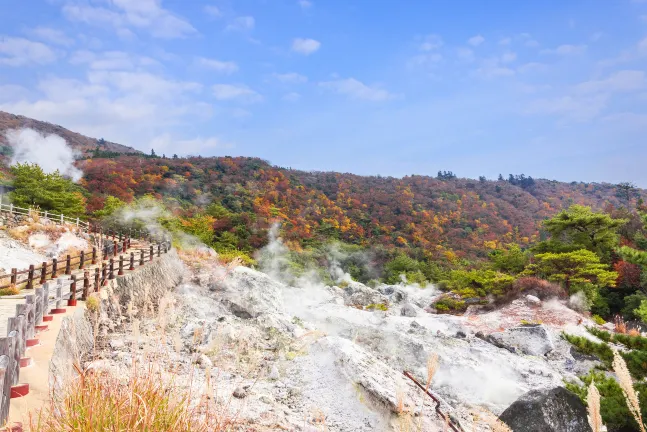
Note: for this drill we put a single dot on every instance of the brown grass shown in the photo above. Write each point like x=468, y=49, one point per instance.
x=147, y=402
x=624, y=379
x=593, y=405
x=620, y=325
x=11, y=290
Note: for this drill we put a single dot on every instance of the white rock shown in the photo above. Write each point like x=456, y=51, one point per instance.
x=532, y=300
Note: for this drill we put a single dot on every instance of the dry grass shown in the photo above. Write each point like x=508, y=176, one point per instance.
x=10, y=290
x=633, y=332
x=432, y=367
x=620, y=325
x=624, y=379
x=489, y=419
x=593, y=403
x=92, y=303
x=146, y=402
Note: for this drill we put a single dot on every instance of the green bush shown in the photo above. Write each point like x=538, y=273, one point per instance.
x=449, y=304
x=613, y=406
x=378, y=306
x=598, y=320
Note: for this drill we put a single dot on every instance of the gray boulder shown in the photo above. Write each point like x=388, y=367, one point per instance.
x=549, y=410
x=249, y=293
x=409, y=310
x=529, y=339
x=358, y=294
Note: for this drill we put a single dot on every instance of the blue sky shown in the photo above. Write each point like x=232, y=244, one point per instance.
x=552, y=89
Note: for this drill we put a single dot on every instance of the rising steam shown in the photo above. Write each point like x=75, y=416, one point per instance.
x=50, y=152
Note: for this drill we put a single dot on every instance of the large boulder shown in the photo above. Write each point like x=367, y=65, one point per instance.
x=529, y=339
x=249, y=293
x=552, y=410
x=358, y=294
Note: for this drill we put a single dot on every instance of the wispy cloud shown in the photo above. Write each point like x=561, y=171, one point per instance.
x=356, y=89
x=226, y=67
x=476, y=40
x=292, y=97
x=305, y=46
x=236, y=92
x=242, y=23
x=305, y=4
x=566, y=50
x=291, y=77
x=213, y=11
x=22, y=52
x=51, y=35
x=620, y=81
x=125, y=15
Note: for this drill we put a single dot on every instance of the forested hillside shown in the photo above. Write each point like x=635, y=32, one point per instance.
x=445, y=217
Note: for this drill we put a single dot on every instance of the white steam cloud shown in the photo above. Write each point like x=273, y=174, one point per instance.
x=50, y=152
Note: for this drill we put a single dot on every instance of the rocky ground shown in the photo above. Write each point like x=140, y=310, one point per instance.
x=312, y=358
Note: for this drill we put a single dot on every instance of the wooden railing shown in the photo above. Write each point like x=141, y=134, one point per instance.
x=62, y=284
x=54, y=217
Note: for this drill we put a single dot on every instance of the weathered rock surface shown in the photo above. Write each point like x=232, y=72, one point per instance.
x=553, y=410
x=249, y=294
x=529, y=339
x=358, y=294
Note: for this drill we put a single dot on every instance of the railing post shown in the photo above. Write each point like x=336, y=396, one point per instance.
x=30, y=277
x=152, y=252
x=86, y=285
x=123, y=247
x=97, y=276
x=104, y=275
x=10, y=208
x=129, y=242
x=62, y=219
x=54, y=267
x=81, y=260
x=45, y=216
x=77, y=221
x=132, y=261
x=114, y=247
x=159, y=250
x=68, y=265
x=94, y=255
x=43, y=273
x=112, y=269
x=141, y=257
x=72, y=300
x=14, y=276
x=121, y=265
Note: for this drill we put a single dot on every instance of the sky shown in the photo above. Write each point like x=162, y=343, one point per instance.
x=548, y=88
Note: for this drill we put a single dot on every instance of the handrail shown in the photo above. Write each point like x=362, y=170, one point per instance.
x=58, y=218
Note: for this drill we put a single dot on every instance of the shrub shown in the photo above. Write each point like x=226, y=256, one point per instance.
x=92, y=303
x=450, y=304
x=11, y=290
x=598, y=320
x=536, y=286
x=378, y=306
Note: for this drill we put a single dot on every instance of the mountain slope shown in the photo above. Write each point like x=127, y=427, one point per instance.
x=79, y=142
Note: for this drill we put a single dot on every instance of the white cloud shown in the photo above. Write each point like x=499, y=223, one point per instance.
x=431, y=42
x=226, y=67
x=51, y=35
x=243, y=23
x=123, y=15
x=305, y=4
x=111, y=60
x=11, y=92
x=621, y=81
x=505, y=41
x=291, y=78
x=566, y=50
x=532, y=67
x=508, y=57
x=356, y=89
x=465, y=54
x=431, y=59
x=235, y=92
x=292, y=97
x=22, y=52
x=476, y=40
x=571, y=107
x=491, y=68
x=213, y=11
x=125, y=107
x=166, y=144
x=305, y=46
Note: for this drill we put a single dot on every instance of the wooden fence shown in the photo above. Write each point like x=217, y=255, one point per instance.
x=55, y=293
x=54, y=217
